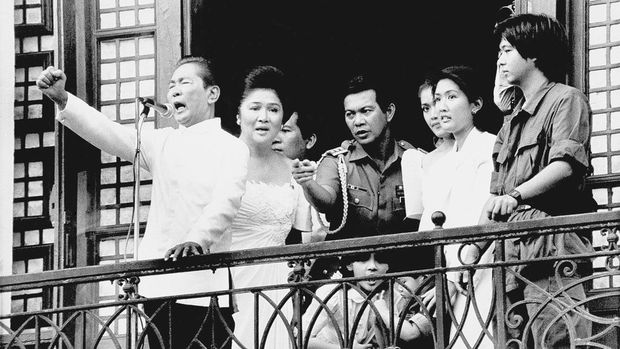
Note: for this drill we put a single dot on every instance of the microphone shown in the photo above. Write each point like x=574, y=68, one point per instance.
x=166, y=110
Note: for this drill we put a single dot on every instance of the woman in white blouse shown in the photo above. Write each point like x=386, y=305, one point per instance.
x=457, y=184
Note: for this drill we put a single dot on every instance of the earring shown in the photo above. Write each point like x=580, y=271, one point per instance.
x=238, y=122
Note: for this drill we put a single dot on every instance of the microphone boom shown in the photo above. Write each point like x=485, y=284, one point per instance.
x=165, y=110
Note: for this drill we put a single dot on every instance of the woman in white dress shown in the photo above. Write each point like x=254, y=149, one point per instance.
x=272, y=204
x=458, y=185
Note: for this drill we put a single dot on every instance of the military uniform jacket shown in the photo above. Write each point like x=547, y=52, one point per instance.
x=376, y=198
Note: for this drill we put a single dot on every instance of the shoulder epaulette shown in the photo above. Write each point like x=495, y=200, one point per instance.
x=336, y=151
x=405, y=145
x=342, y=149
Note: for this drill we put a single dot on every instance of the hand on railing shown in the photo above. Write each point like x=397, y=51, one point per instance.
x=498, y=208
x=185, y=249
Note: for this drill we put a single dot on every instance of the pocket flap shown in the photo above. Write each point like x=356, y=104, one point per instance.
x=359, y=196
x=528, y=141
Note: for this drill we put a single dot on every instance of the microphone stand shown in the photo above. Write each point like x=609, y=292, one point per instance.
x=130, y=284
x=136, y=170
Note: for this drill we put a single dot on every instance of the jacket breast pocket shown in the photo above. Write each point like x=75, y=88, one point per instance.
x=359, y=197
x=530, y=156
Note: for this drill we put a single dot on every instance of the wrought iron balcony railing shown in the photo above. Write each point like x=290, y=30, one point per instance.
x=379, y=311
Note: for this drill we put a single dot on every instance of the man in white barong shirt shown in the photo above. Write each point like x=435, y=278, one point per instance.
x=199, y=173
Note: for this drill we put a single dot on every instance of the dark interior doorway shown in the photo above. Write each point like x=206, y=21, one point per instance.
x=320, y=43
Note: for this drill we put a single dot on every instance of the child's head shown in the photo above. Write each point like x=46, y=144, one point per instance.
x=367, y=264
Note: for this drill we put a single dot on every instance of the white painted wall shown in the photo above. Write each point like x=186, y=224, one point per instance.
x=7, y=82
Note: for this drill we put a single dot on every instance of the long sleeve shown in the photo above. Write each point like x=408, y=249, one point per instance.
x=504, y=94
x=472, y=190
x=411, y=164
x=98, y=129
x=219, y=213
x=481, y=184
x=303, y=219
x=479, y=197
x=199, y=177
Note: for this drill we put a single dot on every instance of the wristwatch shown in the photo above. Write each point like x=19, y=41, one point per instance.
x=515, y=194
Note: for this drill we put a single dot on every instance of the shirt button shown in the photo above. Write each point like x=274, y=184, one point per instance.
x=356, y=200
x=402, y=143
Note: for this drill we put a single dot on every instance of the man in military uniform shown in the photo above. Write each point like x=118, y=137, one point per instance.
x=374, y=185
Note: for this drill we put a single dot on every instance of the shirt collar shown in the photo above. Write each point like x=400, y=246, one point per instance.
x=471, y=138
x=204, y=126
x=358, y=152
x=532, y=104
x=356, y=297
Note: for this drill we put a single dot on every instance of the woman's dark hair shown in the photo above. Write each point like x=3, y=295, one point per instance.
x=270, y=78
x=426, y=84
x=538, y=36
x=468, y=81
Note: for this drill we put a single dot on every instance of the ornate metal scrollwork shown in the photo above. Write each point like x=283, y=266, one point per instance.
x=300, y=271
x=612, y=245
x=129, y=286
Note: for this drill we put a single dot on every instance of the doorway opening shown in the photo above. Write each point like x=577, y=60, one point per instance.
x=319, y=44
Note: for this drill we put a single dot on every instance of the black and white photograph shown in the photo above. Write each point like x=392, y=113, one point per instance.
x=281, y=174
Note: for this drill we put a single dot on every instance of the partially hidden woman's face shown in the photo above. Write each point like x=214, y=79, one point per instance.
x=260, y=116
x=431, y=116
x=454, y=108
